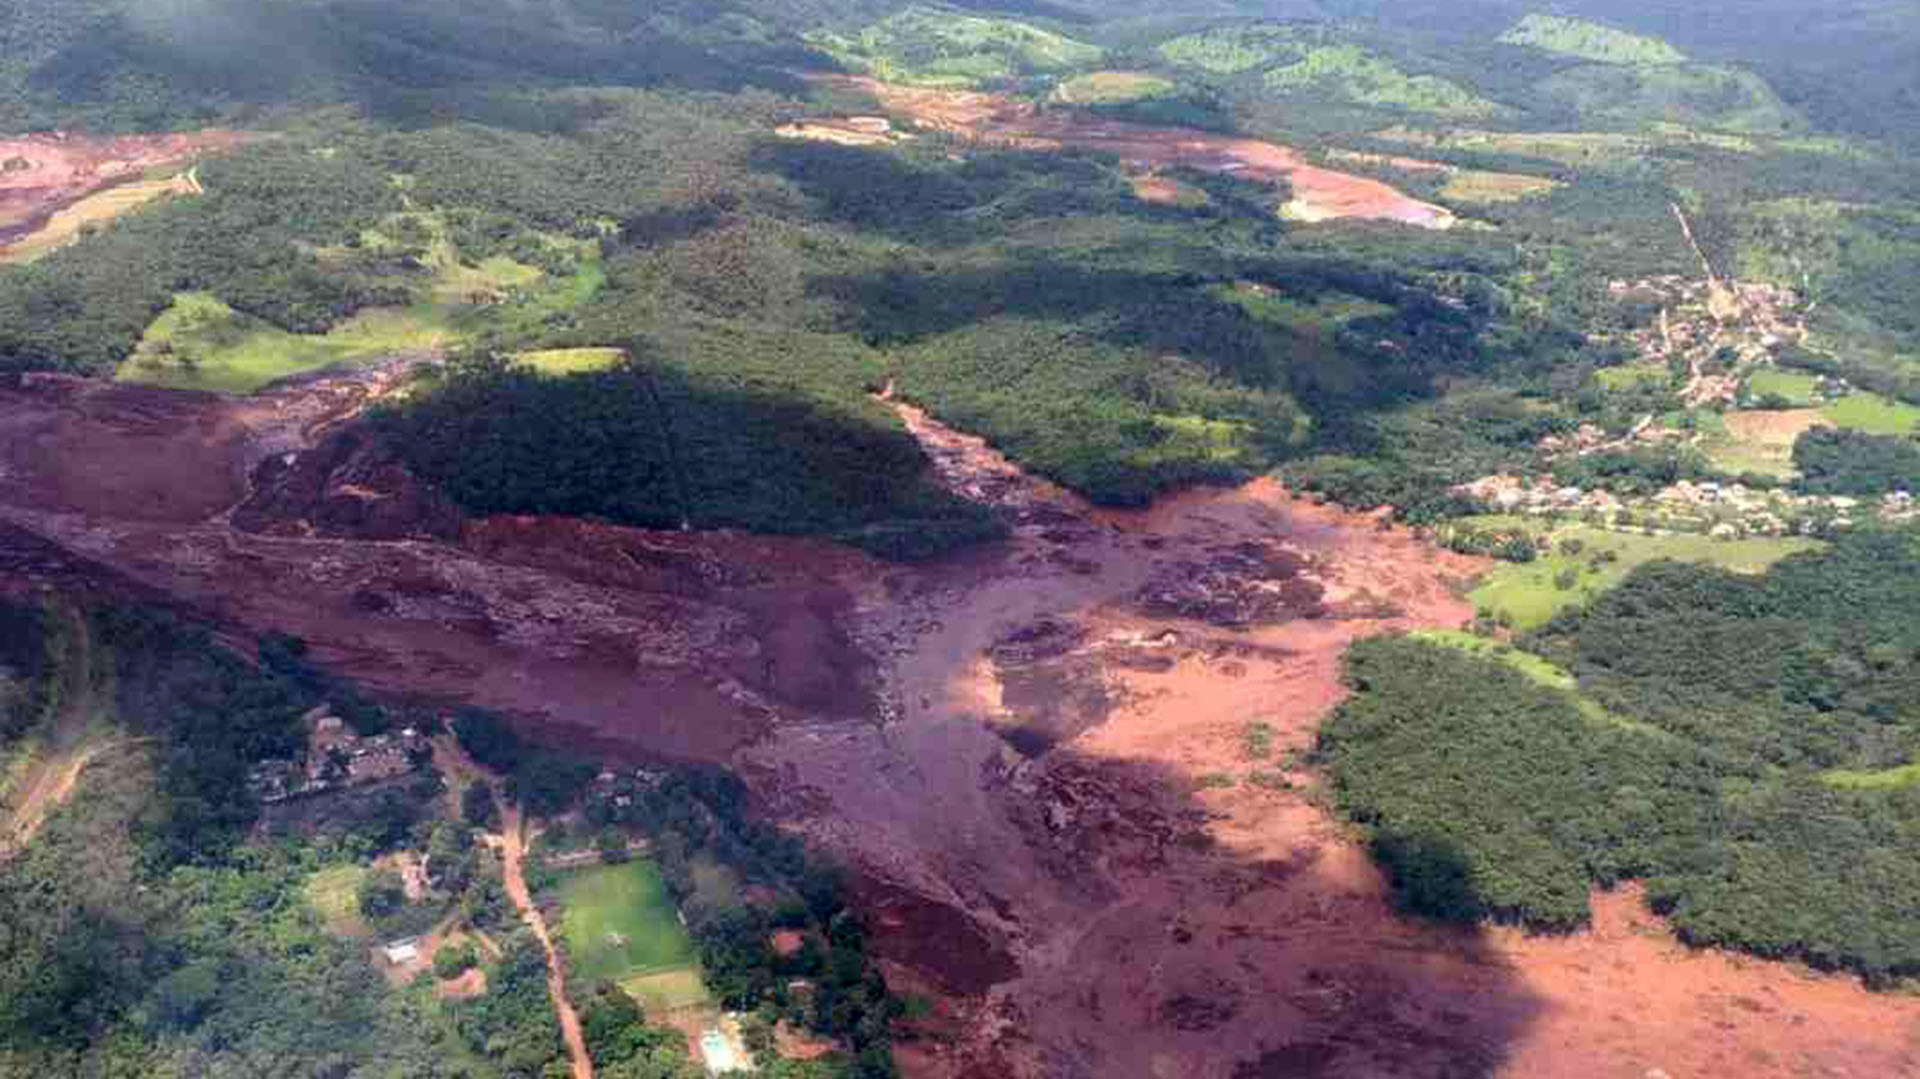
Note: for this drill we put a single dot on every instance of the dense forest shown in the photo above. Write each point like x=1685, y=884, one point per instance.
x=1764, y=803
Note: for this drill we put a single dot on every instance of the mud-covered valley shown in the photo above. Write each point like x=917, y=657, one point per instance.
x=1035, y=755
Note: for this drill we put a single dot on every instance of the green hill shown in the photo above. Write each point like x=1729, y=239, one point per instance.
x=1590, y=41
x=1351, y=73
x=1322, y=60
x=1690, y=95
x=936, y=47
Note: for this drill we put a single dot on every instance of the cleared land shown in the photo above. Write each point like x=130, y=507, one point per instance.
x=667, y=990
x=568, y=361
x=1795, y=387
x=69, y=222
x=1319, y=194
x=618, y=922
x=201, y=343
x=45, y=174
x=334, y=894
x=1874, y=414
x=1760, y=441
x=1528, y=594
x=1111, y=87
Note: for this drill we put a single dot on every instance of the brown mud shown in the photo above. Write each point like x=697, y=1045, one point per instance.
x=1319, y=194
x=1034, y=755
x=42, y=174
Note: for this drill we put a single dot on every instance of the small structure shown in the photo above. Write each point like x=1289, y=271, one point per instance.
x=402, y=951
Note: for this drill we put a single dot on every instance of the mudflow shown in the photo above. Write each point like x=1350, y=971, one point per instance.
x=1035, y=756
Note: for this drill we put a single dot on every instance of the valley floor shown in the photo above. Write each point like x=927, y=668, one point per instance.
x=1067, y=767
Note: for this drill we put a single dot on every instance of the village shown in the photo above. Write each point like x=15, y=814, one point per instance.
x=1721, y=510
x=338, y=758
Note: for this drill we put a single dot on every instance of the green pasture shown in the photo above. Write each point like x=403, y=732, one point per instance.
x=619, y=923
x=1527, y=593
x=1874, y=414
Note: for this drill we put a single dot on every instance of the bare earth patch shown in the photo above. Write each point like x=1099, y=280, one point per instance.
x=1319, y=194
x=41, y=175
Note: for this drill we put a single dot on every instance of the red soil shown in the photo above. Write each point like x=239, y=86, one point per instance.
x=40, y=174
x=1034, y=755
x=1319, y=194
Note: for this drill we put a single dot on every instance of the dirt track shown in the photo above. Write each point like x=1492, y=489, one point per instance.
x=1035, y=755
x=1319, y=194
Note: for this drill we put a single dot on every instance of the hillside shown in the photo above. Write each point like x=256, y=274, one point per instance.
x=1590, y=41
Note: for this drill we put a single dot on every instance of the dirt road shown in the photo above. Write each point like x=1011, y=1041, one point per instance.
x=511, y=844
x=513, y=852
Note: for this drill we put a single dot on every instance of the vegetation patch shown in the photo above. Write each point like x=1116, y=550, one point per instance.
x=70, y=223
x=1686, y=95
x=1580, y=562
x=934, y=47
x=1873, y=414
x=1793, y=388
x=1351, y=73
x=335, y=895
x=1229, y=50
x=571, y=361
x=667, y=991
x=1112, y=87
x=1590, y=41
x=618, y=922
x=1482, y=187
x=1490, y=794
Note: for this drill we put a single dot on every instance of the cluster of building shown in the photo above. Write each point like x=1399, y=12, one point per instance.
x=337, y=758
x=1727, y=510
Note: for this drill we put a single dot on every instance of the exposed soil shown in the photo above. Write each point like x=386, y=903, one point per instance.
x=42, y=174
x=1319, y=194
x=1033, y=755
x=513, y=849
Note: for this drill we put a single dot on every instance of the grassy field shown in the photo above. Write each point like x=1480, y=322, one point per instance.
x=1874, y=414
x=1112, y=87
x=1477, y=186
x=1627, y=376
x=1796, y=387
x=568, y=361
x=619, y=923
x=667, y=991
x=1528, y=595
x=334, y=894
x=98, y=208
x=201, y=343
x=1590, y=41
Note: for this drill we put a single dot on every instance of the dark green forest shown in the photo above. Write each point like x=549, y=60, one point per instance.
x=1762, y=802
